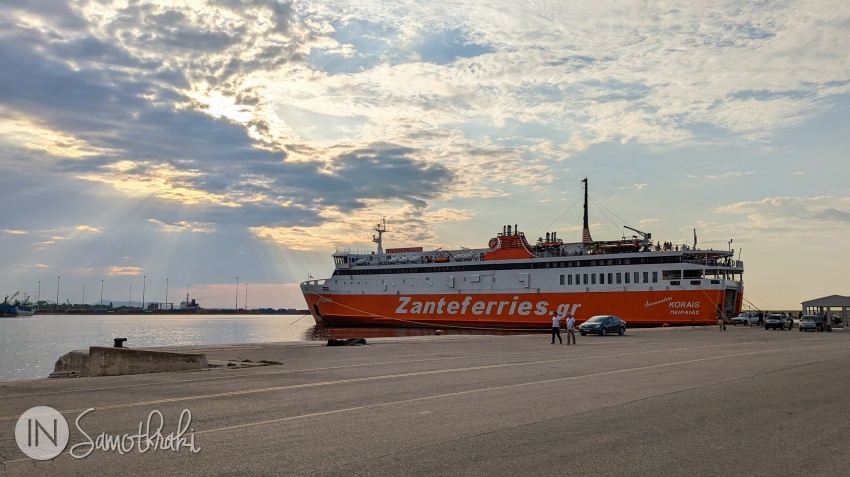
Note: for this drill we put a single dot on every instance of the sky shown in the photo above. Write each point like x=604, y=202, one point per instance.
x=224, y=150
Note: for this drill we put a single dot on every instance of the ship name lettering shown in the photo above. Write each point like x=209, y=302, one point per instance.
x=653, y=303
x=684, y=304
x=404, y=301
x=408, y=306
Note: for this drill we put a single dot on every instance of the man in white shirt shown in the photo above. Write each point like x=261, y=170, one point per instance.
x=571, y=329
x=556, y=325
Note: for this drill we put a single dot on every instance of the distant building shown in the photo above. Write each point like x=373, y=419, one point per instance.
x=829, y=305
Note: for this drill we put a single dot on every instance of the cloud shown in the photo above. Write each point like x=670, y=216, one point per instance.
x=786, y=217
x=285, y=120
x=729, y=175
x=124, y=271
x=181, y=226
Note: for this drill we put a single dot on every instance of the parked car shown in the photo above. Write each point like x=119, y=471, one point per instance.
x=778, y=320
x=602, y=325
x=746, y=318
x=807, y=322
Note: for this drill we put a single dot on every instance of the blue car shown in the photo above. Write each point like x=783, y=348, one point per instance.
x=603, y=325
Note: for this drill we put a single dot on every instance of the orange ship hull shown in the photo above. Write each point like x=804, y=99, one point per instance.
x=519, y=311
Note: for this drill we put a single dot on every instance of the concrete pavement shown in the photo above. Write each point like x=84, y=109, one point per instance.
x=654, y=402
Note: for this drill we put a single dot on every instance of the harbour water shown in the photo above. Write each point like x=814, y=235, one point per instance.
x=30, y=346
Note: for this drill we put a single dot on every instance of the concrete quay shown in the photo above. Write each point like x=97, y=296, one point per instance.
x=671, y=401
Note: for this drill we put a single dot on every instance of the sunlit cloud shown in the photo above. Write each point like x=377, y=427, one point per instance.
x=124, y=271
x=184, y=226
x=163, y=181
x=405, y=224
x=26, y=133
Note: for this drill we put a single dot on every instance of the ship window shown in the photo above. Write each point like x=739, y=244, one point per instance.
x=674, y=282
x=601, y=278
x=569, y=279
x=628, y=277
x=646, y=277
x=585, y=279
x=578, y=279
x=654, y=277
x=593, y=279
x=637, y=277
x=696, y=282
x=610, y=275
x=562, y=279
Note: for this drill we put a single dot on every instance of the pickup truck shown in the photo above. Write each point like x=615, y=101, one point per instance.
x=746, y=319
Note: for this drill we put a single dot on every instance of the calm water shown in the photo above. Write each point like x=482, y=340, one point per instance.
x=30, y=346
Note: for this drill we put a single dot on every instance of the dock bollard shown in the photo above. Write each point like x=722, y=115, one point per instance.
x=119, y=342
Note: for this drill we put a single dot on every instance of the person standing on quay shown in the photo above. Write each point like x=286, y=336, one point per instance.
x=720, y=321
x=556, y=328
x=571, y=329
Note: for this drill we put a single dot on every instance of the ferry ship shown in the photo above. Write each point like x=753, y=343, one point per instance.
x=513, y=284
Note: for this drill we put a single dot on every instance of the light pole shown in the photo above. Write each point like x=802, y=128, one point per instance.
x=101, y=293
x=166, y=293
x=57, y=293
x=246, y=296
x=84, y=295
x=237, y=294
x=130, y=301
x=38, y=297
x=144, y=280
x=730, y=245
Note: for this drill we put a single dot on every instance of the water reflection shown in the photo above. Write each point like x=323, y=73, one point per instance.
x=30, y=346
x=321, y=333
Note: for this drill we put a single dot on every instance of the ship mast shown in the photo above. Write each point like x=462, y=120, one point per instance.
x=585, y=235
x=378, y=239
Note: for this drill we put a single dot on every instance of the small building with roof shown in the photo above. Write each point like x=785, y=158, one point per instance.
x=830, y=305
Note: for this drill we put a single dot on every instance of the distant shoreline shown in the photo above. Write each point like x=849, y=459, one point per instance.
x=203, y=311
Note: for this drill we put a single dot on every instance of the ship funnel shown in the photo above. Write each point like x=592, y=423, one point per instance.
x=547, y=236
x=509, y=230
